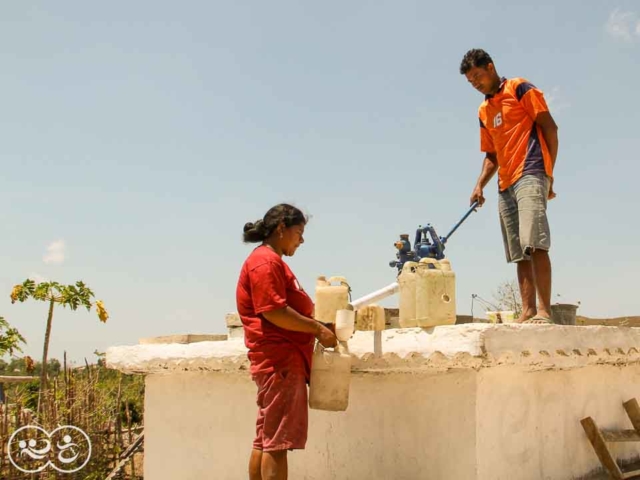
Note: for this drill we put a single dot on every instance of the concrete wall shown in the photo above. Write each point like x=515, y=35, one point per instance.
x=396, y=426
x=492, y=424
x=464, y=402
x=389, y=430
x=198, y=426
x=529, y=422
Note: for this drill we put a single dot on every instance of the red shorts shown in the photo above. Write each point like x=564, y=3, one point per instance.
x=282, y=411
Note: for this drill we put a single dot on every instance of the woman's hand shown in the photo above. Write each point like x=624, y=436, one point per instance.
x=330, y=326
x=326, y=337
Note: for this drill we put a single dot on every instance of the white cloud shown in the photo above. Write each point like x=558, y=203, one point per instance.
x=623, y=25
x=55, y=253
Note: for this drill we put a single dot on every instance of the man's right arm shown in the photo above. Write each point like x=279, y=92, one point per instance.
x=489, y=169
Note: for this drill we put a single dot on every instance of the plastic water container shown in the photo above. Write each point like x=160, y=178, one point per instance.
x=435, y=293
x=331, y=295
x=345, y=324
x=502, y=316
x=370, y=317
x=330, y=378
x=407, y=303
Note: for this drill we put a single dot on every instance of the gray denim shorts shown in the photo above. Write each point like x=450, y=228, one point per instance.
x=523, y=217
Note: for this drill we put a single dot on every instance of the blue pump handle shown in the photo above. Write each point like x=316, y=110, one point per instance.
x=473, y=208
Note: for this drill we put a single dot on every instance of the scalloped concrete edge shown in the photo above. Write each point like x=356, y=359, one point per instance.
x=468, y=346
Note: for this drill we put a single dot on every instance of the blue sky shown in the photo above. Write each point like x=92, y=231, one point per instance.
x=139, y=137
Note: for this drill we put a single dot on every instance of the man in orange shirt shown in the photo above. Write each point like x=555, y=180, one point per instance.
x=520, y=140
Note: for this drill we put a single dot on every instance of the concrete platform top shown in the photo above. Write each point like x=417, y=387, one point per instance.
x=185, y=338
x=468, y=346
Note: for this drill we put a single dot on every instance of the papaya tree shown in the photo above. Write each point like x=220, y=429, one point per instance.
x=54, y=293
x=10, y=338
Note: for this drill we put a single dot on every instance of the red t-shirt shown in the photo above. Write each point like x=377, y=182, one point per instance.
x=266, y=283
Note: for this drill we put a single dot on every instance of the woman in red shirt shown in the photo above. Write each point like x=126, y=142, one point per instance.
x=280, y=332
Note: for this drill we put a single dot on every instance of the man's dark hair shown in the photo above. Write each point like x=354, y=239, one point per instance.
x=263, y=228
x=474, y=58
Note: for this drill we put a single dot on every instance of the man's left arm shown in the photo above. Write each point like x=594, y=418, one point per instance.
x=533, y=102
x=550, y=133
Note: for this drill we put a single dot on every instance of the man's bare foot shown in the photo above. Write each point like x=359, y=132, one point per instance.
x=526, y=316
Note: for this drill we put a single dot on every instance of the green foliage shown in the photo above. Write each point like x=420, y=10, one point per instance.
x=30, y=394
x=45, y=288
x=21, y=292
x=92, y=398
x=77, y=295
x=26, y=366
x=102, y=362
x=53, y=366
x=10, y=338
x=134, y=413
x=72, y=296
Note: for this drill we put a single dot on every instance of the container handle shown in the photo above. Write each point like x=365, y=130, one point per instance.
x=342, y=280
x=319, y=350
x=340, y=348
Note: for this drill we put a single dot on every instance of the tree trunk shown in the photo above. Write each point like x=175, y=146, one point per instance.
x=45, y=352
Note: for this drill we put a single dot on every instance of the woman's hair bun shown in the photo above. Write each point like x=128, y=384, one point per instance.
x=254, y=232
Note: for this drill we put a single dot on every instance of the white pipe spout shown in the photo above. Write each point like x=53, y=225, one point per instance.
x=376, y=296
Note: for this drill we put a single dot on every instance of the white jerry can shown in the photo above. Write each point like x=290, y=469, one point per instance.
x=330, y=378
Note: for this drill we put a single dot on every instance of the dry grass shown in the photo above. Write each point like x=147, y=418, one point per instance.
x=105, y=404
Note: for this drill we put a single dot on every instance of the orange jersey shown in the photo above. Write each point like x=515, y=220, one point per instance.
x=508, y=129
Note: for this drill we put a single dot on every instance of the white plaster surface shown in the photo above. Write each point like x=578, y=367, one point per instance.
x=469, y=402
x=187, y=338
x=456, y=346
x=166, y=358
x=200, y=426
x=493, y=424
x=529, y=423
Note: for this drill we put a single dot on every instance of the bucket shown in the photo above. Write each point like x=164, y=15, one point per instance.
x=435, y=293
x=331, y=295
x=564, y=313
x=330, y=379
x=407, y=303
